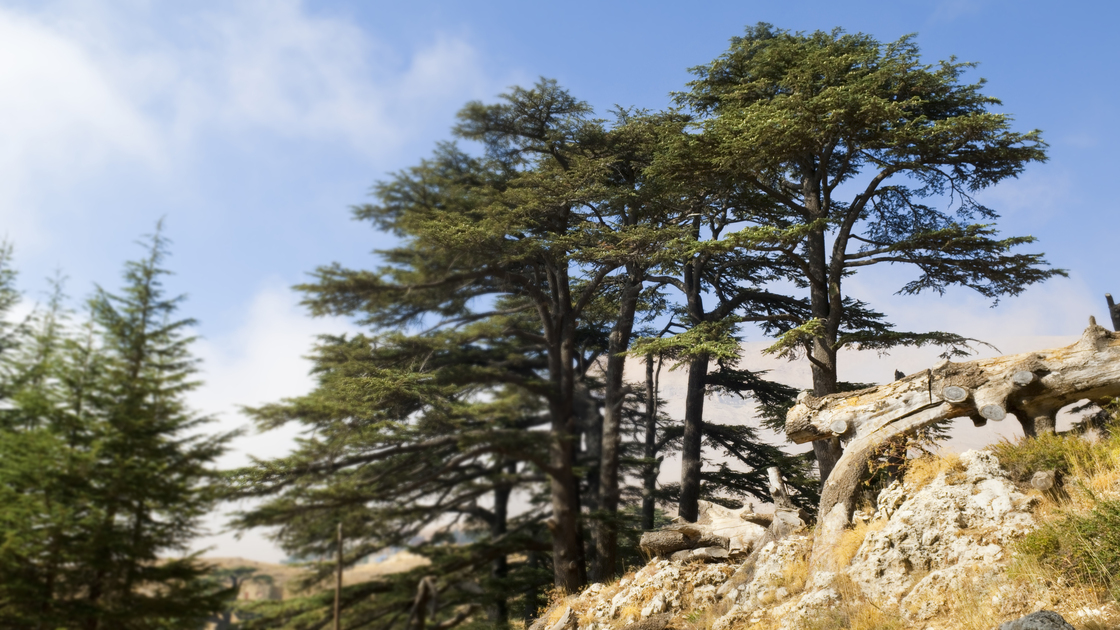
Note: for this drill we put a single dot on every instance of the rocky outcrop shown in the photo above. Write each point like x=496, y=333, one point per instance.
x=1041, y=620
x=925, y=546
x=965, y=517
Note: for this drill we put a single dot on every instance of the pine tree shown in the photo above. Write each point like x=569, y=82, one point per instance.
x=101, y=469
x=153, y=478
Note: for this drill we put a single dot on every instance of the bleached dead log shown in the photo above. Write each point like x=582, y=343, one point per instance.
x=1032, y=386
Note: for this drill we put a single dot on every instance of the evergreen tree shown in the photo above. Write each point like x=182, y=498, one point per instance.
x=154, y=478
x=858, y=146
x=99, y=471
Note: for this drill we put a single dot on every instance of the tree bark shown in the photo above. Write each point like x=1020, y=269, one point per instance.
x=693, y=437
x=606, y=527
x=649, y=475
x=822, y=353
x=498, y=611
x=1032, y=386
x=569, y=571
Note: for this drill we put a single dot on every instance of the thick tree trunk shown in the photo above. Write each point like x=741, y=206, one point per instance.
x=590, y=428
x=1032, y=386
x=649, y=475
x=606, y=528
x=822, y=354
x=693, y=436
x=569, y=571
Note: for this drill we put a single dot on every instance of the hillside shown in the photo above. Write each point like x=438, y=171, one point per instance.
x=963, y=542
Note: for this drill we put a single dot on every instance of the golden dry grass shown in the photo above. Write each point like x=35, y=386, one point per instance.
x=854, y=612
x=921, y=471
x=795, y=574
x=851, y=540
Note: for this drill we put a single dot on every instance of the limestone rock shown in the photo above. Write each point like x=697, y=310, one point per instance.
x=1041, y=620
x=960, y=517
x=1043, y=479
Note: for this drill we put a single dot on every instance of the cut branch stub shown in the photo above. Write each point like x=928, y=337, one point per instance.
x=986, y=389
x=954, y=394
x=993, y=412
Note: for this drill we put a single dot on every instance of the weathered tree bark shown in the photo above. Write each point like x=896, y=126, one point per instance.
x=1033, y=386
x=649, y=475
x=1113, y=311
x=498, y=611
x=692, y=441
x=569, y=570
x=606, y=528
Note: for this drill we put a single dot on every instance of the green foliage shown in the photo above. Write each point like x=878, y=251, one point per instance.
x=1083, y=548
x=1063, y=454
x=523, y=275
x=858, y=143
x=100, y=474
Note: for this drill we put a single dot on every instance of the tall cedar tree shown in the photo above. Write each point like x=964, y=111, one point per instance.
x=408, y=433
x=868, y=157
x=528, y=225
x=721, y=286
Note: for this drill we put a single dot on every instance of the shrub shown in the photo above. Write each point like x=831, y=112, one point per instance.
x=1061, y=453
x=1083, y=548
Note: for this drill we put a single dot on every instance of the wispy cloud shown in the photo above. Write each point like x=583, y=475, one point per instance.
x=86, y=88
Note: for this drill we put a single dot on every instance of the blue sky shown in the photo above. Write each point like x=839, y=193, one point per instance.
x=252, y=126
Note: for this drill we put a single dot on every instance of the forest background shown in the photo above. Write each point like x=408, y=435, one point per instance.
x=253, y=128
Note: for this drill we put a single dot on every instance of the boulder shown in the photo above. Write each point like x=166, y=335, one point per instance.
x=1041, y=620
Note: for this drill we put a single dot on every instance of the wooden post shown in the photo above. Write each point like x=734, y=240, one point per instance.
x=338, y=584
x=1113, y=312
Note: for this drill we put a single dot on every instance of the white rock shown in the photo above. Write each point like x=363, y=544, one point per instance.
x=941, y=525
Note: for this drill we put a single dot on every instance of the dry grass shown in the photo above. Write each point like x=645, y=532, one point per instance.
x=854, y=612
x=851, y=540
x=795, y=574
x=921, y=471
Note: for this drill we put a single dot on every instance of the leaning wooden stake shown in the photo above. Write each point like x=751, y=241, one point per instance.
x=338, y=584
x=1113, y=311
x=1032, y=386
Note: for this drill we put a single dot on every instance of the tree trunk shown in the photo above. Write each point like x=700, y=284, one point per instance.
x=649, y=475
x=1032, y=386
x=569, y=571
x=589, y=422
x=606, y=527
x=498, y=611
x=823, y=363
x=693, y=434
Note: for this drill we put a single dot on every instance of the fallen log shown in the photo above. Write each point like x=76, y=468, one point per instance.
x=1032, y=386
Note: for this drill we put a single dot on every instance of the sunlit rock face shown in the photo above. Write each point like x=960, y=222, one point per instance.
x=963, y=518
x=925, y=546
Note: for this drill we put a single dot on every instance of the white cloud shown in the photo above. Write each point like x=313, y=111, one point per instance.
x=1034, y=198
x=89, y=87
x=260, y=361
x=60, y=114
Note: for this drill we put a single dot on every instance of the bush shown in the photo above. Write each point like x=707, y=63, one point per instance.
x=1082, y=548
x=1060, y=453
